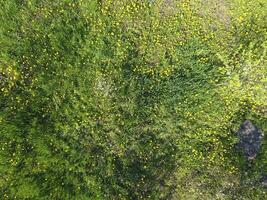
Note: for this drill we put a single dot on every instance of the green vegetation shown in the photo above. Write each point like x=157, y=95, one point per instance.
x=131, y=99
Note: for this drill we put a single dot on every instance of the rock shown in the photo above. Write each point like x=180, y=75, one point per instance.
x=264, y=181
x=250, y=138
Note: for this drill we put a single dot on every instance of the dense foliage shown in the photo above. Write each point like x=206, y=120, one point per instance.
x=131, y=99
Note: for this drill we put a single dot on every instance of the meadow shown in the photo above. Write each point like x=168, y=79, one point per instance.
x=131, y=99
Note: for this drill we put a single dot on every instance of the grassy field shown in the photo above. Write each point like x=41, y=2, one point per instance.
x=131, y=99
